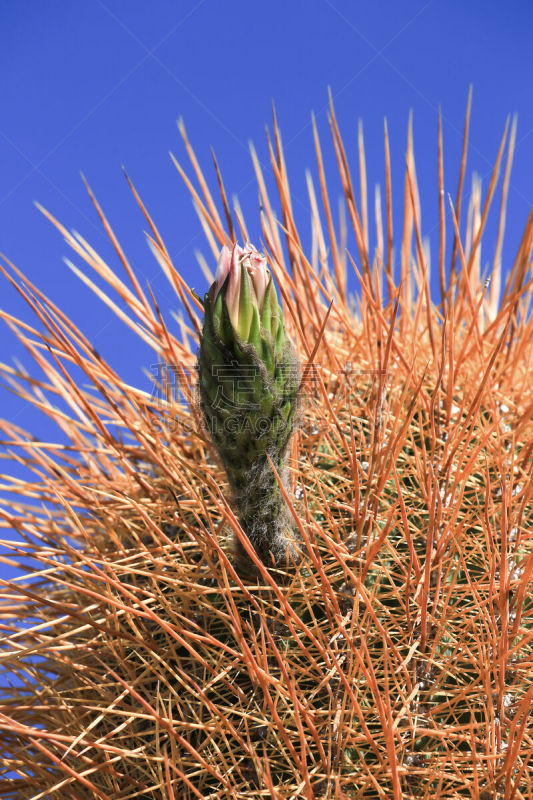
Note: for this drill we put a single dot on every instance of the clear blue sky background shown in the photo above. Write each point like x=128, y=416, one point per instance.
x=90, y=86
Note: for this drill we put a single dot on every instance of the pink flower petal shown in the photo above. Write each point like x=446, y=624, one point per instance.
x=257, y=269
x=259, y=279
x=234, y=286
x=223, y=267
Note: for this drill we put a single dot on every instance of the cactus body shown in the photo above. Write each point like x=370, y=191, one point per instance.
x=395, y=660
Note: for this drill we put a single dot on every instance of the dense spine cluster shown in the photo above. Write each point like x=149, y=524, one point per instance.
x=394, y=661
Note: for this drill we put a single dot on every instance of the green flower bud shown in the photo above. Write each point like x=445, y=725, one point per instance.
x=249, y=379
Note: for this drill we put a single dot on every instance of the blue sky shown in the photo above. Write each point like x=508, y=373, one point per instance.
x=91, y=86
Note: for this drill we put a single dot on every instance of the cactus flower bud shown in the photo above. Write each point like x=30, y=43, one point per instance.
x=249, y=379
x=246, y=288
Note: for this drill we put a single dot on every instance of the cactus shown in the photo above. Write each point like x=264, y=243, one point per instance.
x=391, y=658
